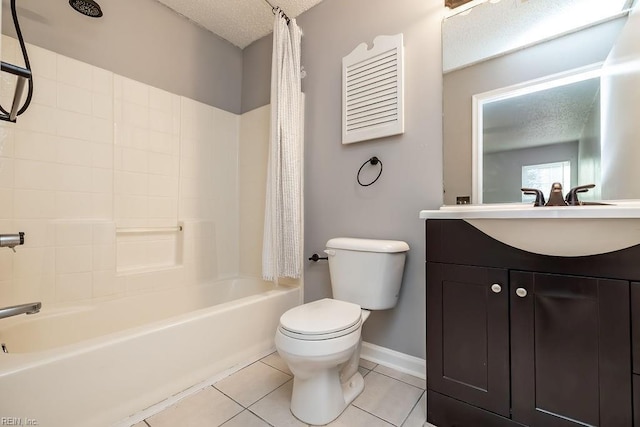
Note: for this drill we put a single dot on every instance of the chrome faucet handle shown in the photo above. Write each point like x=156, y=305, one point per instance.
x=535, y=192
x=572, y=195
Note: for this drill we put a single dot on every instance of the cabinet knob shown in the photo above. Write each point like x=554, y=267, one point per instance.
x=521, y=292
x=496, y=288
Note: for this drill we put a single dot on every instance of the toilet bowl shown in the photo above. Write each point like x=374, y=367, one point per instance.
x=320, y=342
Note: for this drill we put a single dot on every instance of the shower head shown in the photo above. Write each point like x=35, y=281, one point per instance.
x=87, y=7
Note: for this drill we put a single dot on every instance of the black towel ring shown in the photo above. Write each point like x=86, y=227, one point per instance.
x=374, y=161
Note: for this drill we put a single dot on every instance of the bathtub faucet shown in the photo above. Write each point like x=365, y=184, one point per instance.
x=14, y=310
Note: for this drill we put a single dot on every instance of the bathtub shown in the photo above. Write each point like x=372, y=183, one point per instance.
x=96, y=365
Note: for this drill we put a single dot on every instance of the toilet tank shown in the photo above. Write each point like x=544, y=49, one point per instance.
x=366, y=272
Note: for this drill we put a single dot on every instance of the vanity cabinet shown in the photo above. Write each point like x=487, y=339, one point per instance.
x=520, y=339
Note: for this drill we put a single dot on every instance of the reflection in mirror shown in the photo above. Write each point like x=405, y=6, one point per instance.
x=537, y=133
x=571, y=48
x=493, y=27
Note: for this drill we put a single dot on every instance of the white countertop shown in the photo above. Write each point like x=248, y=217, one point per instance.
x=617, y=209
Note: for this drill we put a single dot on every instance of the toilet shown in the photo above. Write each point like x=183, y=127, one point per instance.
x=320, y=341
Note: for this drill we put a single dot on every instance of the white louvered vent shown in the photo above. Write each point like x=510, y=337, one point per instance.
x=372, y=90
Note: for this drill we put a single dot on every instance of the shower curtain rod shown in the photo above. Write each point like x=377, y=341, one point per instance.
x=276, y=9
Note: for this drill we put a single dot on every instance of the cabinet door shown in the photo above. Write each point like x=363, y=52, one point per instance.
x=570, y=351
x=468, y=334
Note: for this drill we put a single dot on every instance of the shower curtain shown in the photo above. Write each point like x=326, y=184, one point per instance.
x=282, y=241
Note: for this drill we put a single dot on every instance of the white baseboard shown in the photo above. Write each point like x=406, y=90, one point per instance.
x=394, y=359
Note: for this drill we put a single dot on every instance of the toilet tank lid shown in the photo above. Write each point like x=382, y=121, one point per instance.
x=367, y=245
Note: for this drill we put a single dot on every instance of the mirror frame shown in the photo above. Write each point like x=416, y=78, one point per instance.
x=479, y=100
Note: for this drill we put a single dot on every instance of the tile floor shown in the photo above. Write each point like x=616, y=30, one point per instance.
x=259, y=396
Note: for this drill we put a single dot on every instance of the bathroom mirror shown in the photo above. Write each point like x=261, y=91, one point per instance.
x=536, y=133
x=506, y=64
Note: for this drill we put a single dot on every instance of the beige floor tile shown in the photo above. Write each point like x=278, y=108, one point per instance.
x=409, y=379
x=140, y=424
x=252, y=383
x=356, y=417
x=387, y=398
x=363, y=371
x=245, y=419
x=275, y=407
x=367, y=364
x=418, y=415
x=275, y=361
x=207, y=407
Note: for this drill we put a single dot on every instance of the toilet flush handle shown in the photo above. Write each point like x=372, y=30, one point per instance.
x=330, y=252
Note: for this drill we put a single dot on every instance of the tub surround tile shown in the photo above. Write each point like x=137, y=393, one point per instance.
x=252, y=383
x=387, y=398
x=73, y=287
x=74, y=158
x=43, y=61
x=208, y=407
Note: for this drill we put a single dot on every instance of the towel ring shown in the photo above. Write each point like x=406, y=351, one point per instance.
x=374, y=161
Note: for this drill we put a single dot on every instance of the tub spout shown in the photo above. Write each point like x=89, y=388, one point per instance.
x=14, y=310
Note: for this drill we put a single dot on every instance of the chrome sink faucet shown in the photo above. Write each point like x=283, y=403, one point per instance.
x=15, y=310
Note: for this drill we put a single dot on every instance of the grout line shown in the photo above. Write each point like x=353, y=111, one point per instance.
x=259, y=417
x=373, y=415
x=271, y=366
x=145, y=421
x=220, y=425
x=226, y=395
x=413, y=408
x=404, y=382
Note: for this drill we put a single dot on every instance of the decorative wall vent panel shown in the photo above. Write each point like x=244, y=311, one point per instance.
x=372, y=90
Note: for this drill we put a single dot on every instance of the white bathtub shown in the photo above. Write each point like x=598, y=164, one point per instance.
x=96, y=365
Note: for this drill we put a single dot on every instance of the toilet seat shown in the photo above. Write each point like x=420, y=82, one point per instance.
x=321, y=320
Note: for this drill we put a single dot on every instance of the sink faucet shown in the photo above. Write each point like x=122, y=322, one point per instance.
x=14, y=310
x=555, y=197
x=572, y=195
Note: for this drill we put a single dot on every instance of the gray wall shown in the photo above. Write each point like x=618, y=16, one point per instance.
x=565, y=53
x=139, y=39
x=502, y=176
x=256, y=74
x=412, y=179
x=335, y=205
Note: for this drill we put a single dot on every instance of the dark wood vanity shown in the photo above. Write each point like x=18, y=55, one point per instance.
x=521, y=339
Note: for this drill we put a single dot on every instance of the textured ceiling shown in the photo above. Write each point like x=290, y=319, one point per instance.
x=493, y=28
x=551, y=116
x=240, y=22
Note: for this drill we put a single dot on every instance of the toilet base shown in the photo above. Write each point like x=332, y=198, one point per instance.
x=320, y=399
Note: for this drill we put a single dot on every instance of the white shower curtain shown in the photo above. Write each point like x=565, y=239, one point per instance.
x=282, y=242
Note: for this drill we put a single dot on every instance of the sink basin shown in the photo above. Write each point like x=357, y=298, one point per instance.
x=558, y=231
